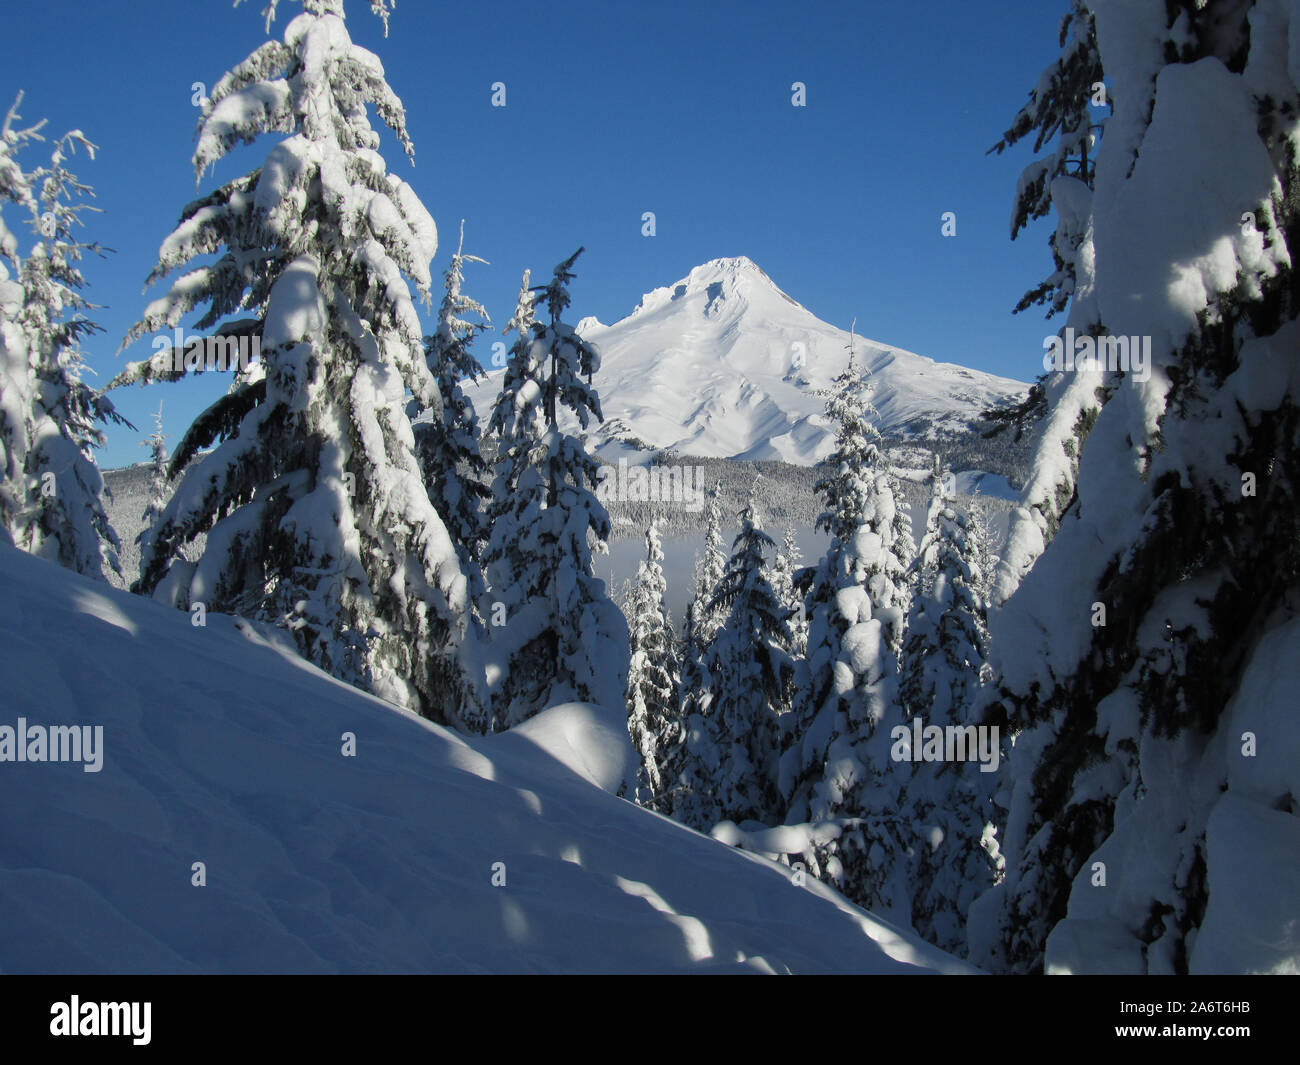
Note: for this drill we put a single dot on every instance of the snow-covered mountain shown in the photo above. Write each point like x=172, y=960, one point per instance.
x=725, y=364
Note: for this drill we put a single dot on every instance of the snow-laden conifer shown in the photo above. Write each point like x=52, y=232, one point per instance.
x=785, y=569
x=653, y=699
x=447, y=441
x=1066, y=113
x=17, y=202
x=159, y=482
x=1141, y=782
x=565, y=639
x=947, y=806
x=837, y=768
x=52, y=496
x=312, y=499
x=733, y=744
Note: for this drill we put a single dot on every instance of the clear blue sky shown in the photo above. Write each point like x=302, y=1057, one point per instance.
x=679, y=108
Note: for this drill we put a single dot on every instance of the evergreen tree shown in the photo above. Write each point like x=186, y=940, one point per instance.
x=15, y=366
x=733, y=750
x=565, y=640
x=52, y=498
x=708, y=572
x=513, y=563
x=837, y=768
x=159, y=486
x=784, y=570
x=1060, y=113
x=448, y=443
x=1122, y=652
x=1063, y=112
x=702, y=622
x=945, y=658
x=15, y=183
x=653, y=699
x=902, y=548
x=921, y=572
x=983, y=548
x=698, y=764
x=947, y=807
x=312, y=500
x=784, y=575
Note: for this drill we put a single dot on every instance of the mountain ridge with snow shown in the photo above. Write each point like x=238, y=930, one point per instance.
x=724, y=364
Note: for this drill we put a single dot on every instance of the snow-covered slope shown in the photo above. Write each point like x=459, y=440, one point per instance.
x=725, y=364
x=223, y=748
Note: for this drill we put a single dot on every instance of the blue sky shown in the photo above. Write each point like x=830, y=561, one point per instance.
x=679, y=108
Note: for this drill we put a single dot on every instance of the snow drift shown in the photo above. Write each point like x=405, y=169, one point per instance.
x=222, y=746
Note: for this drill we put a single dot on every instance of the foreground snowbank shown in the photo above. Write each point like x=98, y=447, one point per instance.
x=222, y=747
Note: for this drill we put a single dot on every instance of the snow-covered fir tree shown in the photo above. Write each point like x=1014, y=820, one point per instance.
x=983, y=547
x=902, y=545
x=732, y=747
x=836, y=767
x=447, y=442
x=1066, y=112
x=947, y=806
x=312, y=499
x=945, y=655
x=564, y=638
x=159, y=485
x=15, y=183
x=922, y=568
x=15, y=366
x=512, y=562
x=703, y=619
x=921, y=576
x=784, y=571
x=1137, y=791
x=52, y=498
x=653, y=698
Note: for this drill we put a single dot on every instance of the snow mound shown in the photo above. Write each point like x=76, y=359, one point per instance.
x=220, y=746
x=587, y=739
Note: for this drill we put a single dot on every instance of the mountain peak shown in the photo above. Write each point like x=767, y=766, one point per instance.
x=724, y=364
x=728, y=266
x=718, y=279
x=736, y=268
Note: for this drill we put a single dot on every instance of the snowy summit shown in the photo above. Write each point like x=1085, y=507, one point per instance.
x=724, y=364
